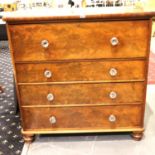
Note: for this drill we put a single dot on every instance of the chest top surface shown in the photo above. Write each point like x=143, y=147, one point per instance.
x=55, y=14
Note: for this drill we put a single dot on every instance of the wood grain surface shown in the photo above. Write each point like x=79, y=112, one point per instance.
x=79, y=57
x=80, y=71
x=82, y=117
x=82, y=94
x=84, y=40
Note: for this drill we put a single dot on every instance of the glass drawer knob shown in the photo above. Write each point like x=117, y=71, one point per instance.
x=52, y=120
x=113, y=72
x=44, y=43
x=112, y=118
x=114, y=41
x=48, y=74
x=50, y=97
x=113, y=95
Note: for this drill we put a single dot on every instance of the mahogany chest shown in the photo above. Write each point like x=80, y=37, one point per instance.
x=81, y=74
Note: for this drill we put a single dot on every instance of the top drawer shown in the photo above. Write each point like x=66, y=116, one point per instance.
x=80, y=40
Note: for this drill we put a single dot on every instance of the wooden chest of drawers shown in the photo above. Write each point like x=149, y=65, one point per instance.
x=80, y=75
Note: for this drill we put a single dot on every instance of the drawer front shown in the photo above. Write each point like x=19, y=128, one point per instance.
x=106, y=117
x=84, y=40
x=81, y=71
x=81, y=94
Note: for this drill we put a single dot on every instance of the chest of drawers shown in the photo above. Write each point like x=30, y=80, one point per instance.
x=81, y=75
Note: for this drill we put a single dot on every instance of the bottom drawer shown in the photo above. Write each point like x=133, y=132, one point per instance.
x=82, y=118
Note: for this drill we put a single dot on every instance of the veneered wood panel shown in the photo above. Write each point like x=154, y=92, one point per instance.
x=81, y=84
x=81, y=94
x=80, y=40
x=81, y=71
x=81, y=117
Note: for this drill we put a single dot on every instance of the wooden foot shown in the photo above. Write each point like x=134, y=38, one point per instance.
x=137, y=135
x=28, y=138
x=1, y=90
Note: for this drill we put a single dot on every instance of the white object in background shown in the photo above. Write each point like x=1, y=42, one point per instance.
x=60, y=3
x=24, y=4
x=153, y=45
x=78, y=3
x=7, y=1
x=2, y=22
x=25, y=149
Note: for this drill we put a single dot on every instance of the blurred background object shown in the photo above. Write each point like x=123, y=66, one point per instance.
x=1, y=8
x=8, y=5
x=150, y=4
x=12, y=5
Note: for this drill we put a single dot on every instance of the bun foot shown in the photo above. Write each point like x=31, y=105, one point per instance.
x=1, y=90
x=28, y=138
x=137, y=135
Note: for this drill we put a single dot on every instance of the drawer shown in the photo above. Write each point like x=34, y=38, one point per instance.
x=82, y=118
x=81, y=71
x=84, y=40
x=81, y=94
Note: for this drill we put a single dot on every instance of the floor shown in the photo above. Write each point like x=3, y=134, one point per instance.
x=151, y=75
x=118, y=144
x=11, y=141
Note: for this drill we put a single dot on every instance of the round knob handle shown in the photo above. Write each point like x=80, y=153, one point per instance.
x=113, y=95
x=113, y=72
x=52, y=120
x=50, y=97
x=112, y=118
x=114, y=41
x=44, y=43
x=48, y=74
